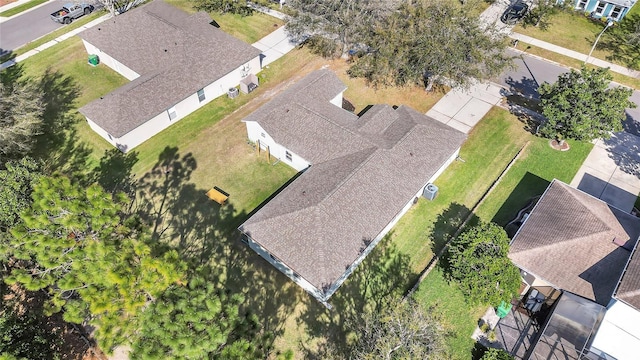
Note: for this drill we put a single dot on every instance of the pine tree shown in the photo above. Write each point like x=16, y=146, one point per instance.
x=197, y=321
x=92, y=258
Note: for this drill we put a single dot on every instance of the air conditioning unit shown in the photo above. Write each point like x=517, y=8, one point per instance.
x=233, y=92
x=430, y=191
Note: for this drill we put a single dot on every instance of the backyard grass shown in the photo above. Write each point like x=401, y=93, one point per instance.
x=575, y=63
x=571, y=30
x=20, y=8
x=459, y=318
x=529, y=176
x=486, y=153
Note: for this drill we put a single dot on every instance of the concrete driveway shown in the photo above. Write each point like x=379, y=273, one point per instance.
x=462, y=109
x=611, y=172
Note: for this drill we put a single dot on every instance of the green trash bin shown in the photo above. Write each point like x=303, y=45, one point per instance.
x=503, y=310
x=94, y=60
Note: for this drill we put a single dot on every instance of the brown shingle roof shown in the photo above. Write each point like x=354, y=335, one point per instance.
x=568, y=240
x=175, y=54
x=629, y=287
x=367, y=170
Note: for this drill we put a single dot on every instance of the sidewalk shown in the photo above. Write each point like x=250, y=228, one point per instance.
x=574, y=54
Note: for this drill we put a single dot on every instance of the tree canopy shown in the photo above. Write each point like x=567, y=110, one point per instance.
x=478, y=260
x=402, y=330
x=15, y=192
x=197, y=321
x=623, y=40
x=581, y=105
x=21, y=111
x=91, y=257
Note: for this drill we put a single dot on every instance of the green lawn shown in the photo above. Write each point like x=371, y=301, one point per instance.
x=20, y=8
x=569, y=29
x=487, y=151
x=530, y=176
x=459, y=319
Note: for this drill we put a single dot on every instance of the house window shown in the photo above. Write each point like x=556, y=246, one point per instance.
x=201, y=95
x=582, y=4
x=288, y=155
x=615, y=13
x=172, y=113
x=109, y=135
x=263, y=135
x=599, y=8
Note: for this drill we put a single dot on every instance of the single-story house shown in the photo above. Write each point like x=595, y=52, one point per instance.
x=359, y=176
x=587, y=250
x=610, y=9
x=176, y=61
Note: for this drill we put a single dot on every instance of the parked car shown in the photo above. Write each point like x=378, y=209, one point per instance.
x=71, y=11
x=514, y=12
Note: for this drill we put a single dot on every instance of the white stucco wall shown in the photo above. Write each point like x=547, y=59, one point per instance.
x=110, y=61
x=286, y=270
x=337, y=101
x=183, y=108
x=255, y=132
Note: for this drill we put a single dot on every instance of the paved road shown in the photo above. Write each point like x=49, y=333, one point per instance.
x=28, y=26
x=531, y=71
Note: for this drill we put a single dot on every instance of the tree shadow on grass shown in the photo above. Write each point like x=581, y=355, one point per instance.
x=383, y=275
x=115, y=172
x=205, y=235
x=528, y=187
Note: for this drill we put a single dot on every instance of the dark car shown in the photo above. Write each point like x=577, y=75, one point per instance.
x=514, y=13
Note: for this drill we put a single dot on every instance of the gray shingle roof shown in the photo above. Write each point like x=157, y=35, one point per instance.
x=629, y=287
x=175, y=54
x=568, y=240
x=363, y=173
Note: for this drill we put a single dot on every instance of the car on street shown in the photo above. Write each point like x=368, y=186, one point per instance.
x=514, y=12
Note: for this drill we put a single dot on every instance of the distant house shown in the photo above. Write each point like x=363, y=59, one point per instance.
x=578, y=246
x=176, y=62
x=610, y=9
x=360, y=175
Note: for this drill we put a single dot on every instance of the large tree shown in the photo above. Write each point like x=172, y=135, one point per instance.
x=21, y=111
x=336, y=26
x=197, y=321
x=15, y=192
x=90, y=256
x=478, y=260
x=623, y=40
x=402, y=330
x=582, y=105
x=429, y=41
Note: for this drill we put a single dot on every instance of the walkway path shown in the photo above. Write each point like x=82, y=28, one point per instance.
x=574, y=54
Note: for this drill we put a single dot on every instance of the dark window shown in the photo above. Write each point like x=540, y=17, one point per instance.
x=109, y=135
x=201, y=95
x=263, y=135
x=288, y=155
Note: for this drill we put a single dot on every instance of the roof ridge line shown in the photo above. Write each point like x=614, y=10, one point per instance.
x=352, y=172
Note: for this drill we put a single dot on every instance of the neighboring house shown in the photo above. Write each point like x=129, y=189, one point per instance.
x=609, y=9
x=577, y=245
x=361, y=174
x=176, y=62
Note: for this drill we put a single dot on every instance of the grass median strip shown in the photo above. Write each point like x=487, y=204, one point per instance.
x=20, y=8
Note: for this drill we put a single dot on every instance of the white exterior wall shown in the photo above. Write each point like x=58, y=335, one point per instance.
x=337, y=101
x=110, y=62
x=388, y=228
x=284, y=269
x=185, y=107
x=255, y=131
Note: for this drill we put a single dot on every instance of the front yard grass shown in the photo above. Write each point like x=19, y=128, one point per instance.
x=571, y=30
x=529, y=176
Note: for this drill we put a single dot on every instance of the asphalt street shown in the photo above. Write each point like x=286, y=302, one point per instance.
x=29, y=26
x=531, y=71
